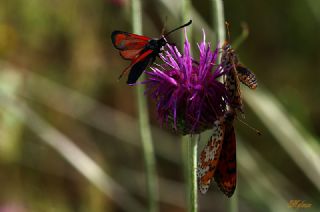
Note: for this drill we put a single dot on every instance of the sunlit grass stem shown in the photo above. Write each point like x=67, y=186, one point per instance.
x=189, y=145
x=145, y=131
x=192, y=146
x=218, y=20
x=219, y=28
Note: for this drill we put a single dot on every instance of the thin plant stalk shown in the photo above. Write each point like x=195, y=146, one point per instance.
x=219, y=27
x=192, y=146
x=70, y=152
x=218, y=20
x=233, y=205
x=145, y=131
x=189, y=145
x=241, y=38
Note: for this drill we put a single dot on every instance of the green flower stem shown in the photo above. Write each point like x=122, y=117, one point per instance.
x=219, y=26
x=189, y=146
x=145, y=131
x=240, y=39
x=218, y=20
x=189, y=153
x=233, y=206
x=192, y=146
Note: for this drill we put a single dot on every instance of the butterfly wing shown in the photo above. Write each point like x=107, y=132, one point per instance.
x=209, y=157
x=247, y=77
x=226, y=172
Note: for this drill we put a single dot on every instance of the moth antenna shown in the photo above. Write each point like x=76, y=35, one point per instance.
x=228, y=31
x=184, y=25
x=252, y=128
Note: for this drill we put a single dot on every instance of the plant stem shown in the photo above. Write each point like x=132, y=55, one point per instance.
x=233, y=206
x=218, y=20
x=189, y=151
x=189, y=144
x=218, y=25
x=145, y=131
x=192, y=146
x=240, y=39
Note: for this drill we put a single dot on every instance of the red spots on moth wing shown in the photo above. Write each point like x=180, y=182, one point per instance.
x=137, y=37
x=128, y=41
x=142, y=56
x=226, y=172
x=130, y=54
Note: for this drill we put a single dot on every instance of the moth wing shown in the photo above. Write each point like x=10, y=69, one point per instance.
x=130, y=54
x=140, y=62
x=128, y=41
x=138, y=68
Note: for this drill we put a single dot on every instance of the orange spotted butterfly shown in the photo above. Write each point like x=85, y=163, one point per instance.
x=141, y=50
x=238, y=72
x=218, y=158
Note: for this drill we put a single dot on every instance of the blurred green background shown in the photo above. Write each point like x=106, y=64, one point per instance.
x=69, y=139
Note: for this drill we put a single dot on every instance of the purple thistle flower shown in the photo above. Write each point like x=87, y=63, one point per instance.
x=189, y=97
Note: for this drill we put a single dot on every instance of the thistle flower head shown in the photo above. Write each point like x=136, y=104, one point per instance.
x=188, y=95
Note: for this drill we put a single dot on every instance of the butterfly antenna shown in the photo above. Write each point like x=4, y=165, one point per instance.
x=184, y=25
x=228, y=31
x=252, y=128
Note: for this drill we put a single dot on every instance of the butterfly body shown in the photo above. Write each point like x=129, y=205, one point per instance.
x=141, y=50
x=232, y=84
x=236, y=73
x=230, y=60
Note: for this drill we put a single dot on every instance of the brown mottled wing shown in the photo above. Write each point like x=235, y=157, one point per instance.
x=247, y=77
x=209, y=157
x=226, y=172
x=232, y=85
